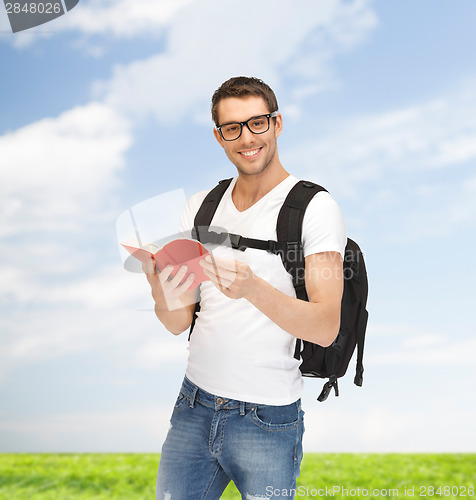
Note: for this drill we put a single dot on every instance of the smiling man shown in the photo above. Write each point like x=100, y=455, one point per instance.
x=238, y=415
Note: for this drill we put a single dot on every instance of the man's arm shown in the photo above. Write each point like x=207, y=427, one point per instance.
x=317, y=320
x=174, y=302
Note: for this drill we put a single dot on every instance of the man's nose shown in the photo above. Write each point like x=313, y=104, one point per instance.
x=247, y=136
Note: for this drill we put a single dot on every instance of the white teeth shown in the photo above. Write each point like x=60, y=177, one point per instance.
x=249, y=153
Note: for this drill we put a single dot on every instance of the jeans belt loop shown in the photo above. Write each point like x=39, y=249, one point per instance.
x=193, y=396
x=242, y=408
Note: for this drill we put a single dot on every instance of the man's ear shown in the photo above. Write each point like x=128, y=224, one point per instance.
x=218, y=137
x=278, y=127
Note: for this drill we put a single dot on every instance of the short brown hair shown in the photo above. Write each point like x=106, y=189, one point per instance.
x=241, y=86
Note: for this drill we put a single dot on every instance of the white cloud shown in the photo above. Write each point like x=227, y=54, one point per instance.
x=50, y=167
x=105, y=288
x=138, y=429
x=413, y=345
x=394, y=411
x=116, y=18
x=367, y=146
x=57, y=185
x=463, y=209
x=90, y=316
x=451, y=353
x=433, y=135
x=423, y=341
x=212, y=41
x=158, y=351
x=39, y=335
x=446, y=208
x=348, y=426
x=122, y=18
x=303, y=39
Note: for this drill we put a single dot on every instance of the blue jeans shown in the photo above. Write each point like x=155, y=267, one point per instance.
x=213, y=440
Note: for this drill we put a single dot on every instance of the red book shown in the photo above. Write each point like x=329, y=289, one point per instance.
x=182, y=251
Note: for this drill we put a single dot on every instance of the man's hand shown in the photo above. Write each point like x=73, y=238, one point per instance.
x=167, y=291
x=233, y=278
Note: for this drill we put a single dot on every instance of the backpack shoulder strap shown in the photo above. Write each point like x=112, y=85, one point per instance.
x=210, y=204
x=289, y=229
x=203, y=219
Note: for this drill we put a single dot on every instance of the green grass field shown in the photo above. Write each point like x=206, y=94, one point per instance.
x=132, y=476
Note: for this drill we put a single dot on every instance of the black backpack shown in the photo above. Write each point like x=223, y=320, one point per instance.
x=317, y=361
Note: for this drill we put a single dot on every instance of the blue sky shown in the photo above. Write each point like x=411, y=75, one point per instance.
x=108, y=105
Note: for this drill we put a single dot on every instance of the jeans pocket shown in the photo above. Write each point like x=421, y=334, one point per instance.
x=276, y=418
x=180, y=403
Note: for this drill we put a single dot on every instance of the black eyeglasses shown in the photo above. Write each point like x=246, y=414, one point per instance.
x=256, y=125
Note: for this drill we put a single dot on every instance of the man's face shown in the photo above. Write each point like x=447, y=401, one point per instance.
x=250, y=153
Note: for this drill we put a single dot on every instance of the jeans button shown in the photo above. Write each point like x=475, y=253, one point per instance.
x=219, y=401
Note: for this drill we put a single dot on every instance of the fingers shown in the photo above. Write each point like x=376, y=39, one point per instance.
x=187, y=283
x=170, y=282
x=179, y=276
x=220, y=271
x=149, y=266
x=164, y=275
x=220, y=263
x=220, y=278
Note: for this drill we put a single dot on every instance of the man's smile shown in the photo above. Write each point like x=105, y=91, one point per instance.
x=250, y=153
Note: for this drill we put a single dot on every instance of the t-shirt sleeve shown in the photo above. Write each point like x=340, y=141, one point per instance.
x=186, y=219
x=190, y=210
x=323, y=226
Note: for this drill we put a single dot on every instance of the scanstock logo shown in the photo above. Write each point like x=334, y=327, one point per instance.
x=25, y=14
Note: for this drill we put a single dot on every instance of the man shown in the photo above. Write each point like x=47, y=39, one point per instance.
x=238, y=415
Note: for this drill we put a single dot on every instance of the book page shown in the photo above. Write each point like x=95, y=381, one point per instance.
x=152, y=221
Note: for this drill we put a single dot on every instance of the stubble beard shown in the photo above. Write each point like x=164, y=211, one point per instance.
x=267, y=161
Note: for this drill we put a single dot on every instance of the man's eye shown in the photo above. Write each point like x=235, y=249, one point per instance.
x=231, y=128
x=258, y=123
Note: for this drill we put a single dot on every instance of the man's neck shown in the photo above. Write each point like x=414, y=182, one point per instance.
x=251, y=188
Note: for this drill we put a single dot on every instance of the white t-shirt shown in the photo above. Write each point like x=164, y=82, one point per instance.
x=235, y=351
